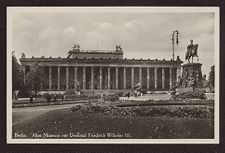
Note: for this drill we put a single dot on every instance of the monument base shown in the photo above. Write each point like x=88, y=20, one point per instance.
x=191, y=75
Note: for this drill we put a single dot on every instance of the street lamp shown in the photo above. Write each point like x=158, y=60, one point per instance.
x=173, y=42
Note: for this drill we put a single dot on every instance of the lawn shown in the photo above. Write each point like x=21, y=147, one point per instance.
x=77, y=125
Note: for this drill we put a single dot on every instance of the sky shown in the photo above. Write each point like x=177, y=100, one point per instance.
x=141, y=35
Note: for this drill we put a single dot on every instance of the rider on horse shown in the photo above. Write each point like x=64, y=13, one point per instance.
x=191, y=51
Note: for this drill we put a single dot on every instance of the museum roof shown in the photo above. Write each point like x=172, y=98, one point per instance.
x=99, y=61
x=97, y=51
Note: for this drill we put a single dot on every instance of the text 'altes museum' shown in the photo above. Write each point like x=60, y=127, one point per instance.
x=104, y=70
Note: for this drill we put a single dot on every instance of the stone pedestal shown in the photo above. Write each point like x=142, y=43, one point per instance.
x=191, y=71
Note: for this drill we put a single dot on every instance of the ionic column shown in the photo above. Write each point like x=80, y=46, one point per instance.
x=67, y=77
x=50, y=78
x=132, y=77
x=140, y=76
x=92, y=78
x=75, y=78
x=84, y=78
x=124, y=78
x=109, y=78
x=117, y=77
x=156, y=86
x=148, y=78
x=171, y=80
x=163, y=78
x=100, y=78
x=58, y=81
x=178, y=73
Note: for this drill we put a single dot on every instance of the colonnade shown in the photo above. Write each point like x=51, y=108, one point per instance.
x=124, y=75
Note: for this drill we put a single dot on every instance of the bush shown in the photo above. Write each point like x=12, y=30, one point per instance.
x=69, y=92
x=76, y=97
x=94, y=96
x=38, y=96
x=82, y=97
x=144, y=91
x=59, y=96
x=120, y=93
x=47, y=96
x=111, y=97
x=24, y=93
x=190, y=95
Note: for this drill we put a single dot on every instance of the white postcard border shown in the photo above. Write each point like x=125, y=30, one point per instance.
x=11, y=10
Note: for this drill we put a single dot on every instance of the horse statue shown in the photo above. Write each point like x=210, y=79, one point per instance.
x=76, y=47
x=118, y=48
x=191, y=51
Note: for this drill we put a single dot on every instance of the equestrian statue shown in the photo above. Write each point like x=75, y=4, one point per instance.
x=192, y=51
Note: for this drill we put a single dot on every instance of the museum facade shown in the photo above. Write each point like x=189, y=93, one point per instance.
x=104, y=70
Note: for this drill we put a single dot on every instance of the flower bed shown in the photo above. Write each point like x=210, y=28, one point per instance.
x=111, y=97
x=153, y=111
x=190, y=95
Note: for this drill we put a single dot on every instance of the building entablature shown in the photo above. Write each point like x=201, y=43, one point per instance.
x=100, y=62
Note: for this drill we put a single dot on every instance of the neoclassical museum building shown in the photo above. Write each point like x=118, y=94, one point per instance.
x=104, y=70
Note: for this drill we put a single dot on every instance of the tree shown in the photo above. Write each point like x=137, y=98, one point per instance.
x=212, y=78
x=17, y=75
x=34, y=78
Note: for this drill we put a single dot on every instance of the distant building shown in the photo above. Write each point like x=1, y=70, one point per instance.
x=104, y=70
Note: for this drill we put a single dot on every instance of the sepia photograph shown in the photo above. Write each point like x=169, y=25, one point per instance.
x=140, y=75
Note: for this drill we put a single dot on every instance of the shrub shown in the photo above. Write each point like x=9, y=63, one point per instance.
x=38, y=96
x=76, y=97
x=144, y=91
x=59, y=96
x=69, y=92
x=120, y=93
x=190, y=95
x=94, y=96
x=47, y=96
x=111, y=97
x=24, y=93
